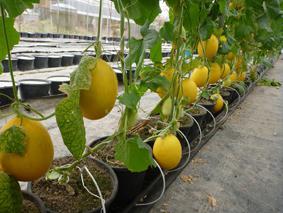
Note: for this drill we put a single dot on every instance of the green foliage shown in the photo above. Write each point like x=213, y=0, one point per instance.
x=166, y=32
x=10, y=194
x=130, y=98
x=269, y=83
x=68, y=114
x=15, y=8
x=12, y=140
x=134, y=153
x=141, y=11
x=12, y=34
x=151, y=40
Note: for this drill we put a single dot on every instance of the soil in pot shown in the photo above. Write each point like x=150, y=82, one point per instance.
x=29, y=207
x=32, y=204
x=73, y=197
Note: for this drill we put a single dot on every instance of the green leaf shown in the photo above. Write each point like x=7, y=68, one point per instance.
x=12, y=140
x=156, y=51
x=158, y=81
x=222, y=5
x=140, y=11
x=130, y=98
x=10, y=194
x=148, y=72
x=167, y=31
x=17, y=7
x=151, y=37
x=135, y=154
x=70, y=122
x=206, y=29
x=138, y=46
x=136, y=50
x=68, y=114
x=81, y=77
x=269, y=83
x=12, y=34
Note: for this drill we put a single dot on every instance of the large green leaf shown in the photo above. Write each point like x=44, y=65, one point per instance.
x=166, y=31
x=130, y=98
x=135, y=154
x=12, y=34
x=10, y=194
x=156, y=51
x=140, y=11
x=17, y=7
x=70, y=122
x=12, y=140
x=68, y=114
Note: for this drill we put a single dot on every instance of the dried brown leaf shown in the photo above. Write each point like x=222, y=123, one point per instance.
x=186, y=178
x=211, y=200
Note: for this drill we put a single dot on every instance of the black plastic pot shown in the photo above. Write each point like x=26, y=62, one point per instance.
x=6, y=88
x=226, y=95
x=37, y=35
x=43, y=35
x=208, y=104
x=34, y=88
x=130, y=183
x=35, y=200
x=5, y=64
x=67, y=60
x=66, y=36
x=81, y=37
x=56, y=81
x=186, y=129
x=54, y=61
x=50, y=35
x=114, y=181
x=40, y=61
x=24, y=34
x=77, y=58
x=25, y=63
x=76, y=36
x=200, y=117
x=56, y=35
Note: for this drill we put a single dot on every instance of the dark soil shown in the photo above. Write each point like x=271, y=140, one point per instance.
x=206, y=101
x=73, y=197
x=186, y=121
x=196, y=111
x=29, y=207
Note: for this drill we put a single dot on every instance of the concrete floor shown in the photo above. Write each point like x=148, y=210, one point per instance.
x=240, y=170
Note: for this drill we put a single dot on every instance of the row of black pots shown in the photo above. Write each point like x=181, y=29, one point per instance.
x=24, y=63
x=66, y=36
x=131, y=184
x=43, y=207
x=32, y=88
